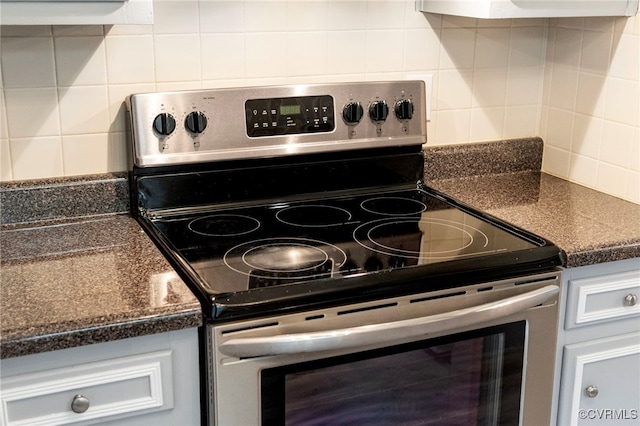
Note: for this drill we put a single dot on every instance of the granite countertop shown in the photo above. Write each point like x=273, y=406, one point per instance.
x=71, y=280
x=77, y=269
x=504, y=180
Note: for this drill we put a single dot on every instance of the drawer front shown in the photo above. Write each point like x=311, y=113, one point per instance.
x=603, y=298
x=104, y=390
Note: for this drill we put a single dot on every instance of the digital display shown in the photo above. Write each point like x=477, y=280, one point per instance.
x=289, y=109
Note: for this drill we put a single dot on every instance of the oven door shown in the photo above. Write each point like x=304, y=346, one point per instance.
x=481, y=354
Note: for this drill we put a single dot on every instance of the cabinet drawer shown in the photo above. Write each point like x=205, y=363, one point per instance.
x=603, y=298
x=104, y=390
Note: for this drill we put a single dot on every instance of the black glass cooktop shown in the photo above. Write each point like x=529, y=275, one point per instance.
x=240, y=256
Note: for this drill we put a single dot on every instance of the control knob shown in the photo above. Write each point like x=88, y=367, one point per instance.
x=196, y=122
x=164, y=124
x=378, y=110
x=404, y=109
x=352, y=113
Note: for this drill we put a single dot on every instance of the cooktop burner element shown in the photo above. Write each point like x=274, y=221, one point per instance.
x=393, y=206
x=296, y=197
x=224, y=225
x=313, y=216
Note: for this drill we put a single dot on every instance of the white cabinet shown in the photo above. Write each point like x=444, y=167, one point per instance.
x=75, y=12
x=496, y=9
x=602, y=380
x=143, y=380
x=598, y=361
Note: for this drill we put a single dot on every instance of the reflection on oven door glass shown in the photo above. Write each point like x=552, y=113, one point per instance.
x=466, y=382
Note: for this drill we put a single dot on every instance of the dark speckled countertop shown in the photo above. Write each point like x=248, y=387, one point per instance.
x=76, y=269
x=504, y=180
x=79, y=270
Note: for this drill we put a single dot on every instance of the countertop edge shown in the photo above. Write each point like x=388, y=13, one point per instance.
x=101, y=333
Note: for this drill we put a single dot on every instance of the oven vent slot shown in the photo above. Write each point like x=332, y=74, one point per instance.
x=439, y=296
x=253, y=327
x=368, y=308
x=481, y=289
x=314, y=317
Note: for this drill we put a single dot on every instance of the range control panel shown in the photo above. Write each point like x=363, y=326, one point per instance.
x=173, y=128
x=283, y=116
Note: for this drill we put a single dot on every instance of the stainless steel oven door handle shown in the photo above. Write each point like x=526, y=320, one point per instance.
x=387, y=332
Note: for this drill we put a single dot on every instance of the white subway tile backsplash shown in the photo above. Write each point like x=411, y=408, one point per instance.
x=487, y=124
x=385, y=14
x=37, y=157
x=617, y=146
x=564, y=88
x=6, y=172
x=84, y=109
x=612, y=179
x=130, y=59
x=421, y=50
x=633, y=187
x=524, y=86
x=567, y=47
x=87, y=154
x=222, y=56
x=265, y=16
x=526, y=47
x=347, y=15
x=382, y=52
x=623, y=101
x=314, y=63
x=521, y=121
x=560, y=128
x=310, y=15
x=453, y=126
x=344, y=52
x=454, y=89
x=583, y=169
x=32, y=112
x=625, y=59
x=492, y=48
x=27, y=62
x=457, y=49
x=572, y=81
x=221, y=16
x=265, y=55
x=177, y=57
x=587, y=136
x=489, y=87
x=590, y=96
x=80, y=60
x=176, y=17
x=596, y=51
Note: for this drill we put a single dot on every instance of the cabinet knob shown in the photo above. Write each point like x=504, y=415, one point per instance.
x=630, y=299
x=80, y=404
x=591, y=391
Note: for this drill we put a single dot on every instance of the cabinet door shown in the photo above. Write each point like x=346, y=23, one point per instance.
x=601, y=382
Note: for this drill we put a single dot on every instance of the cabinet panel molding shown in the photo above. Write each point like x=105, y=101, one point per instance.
x=603, y=298
x=113, y=389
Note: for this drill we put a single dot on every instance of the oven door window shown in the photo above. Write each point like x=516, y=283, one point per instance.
x=463, y=379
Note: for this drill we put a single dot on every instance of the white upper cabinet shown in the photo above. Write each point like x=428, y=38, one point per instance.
x=75, y=12
x=496, y=9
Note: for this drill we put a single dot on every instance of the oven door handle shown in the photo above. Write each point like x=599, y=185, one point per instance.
x=388, y=332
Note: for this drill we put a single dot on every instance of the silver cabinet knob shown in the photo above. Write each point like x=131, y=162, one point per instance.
x=80, y=404
x=630, y=299
x=591, y=391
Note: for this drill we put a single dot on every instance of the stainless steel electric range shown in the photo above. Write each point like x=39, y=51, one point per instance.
x=298, y=216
